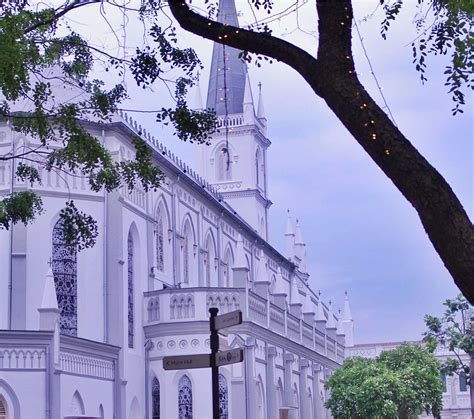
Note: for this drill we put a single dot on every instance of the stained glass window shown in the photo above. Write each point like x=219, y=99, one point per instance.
x=3, y=409
x=185, y=398
x=443, y=380
x=186, y=258
x=155, y=398
x=462, y=381
x=130, y=288
x=160, y=257
x=64, y=266
x=223, y=398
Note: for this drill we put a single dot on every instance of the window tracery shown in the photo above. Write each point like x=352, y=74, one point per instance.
x=186, y=258
x=160, y=256
x=130, y=290
x=64, y=266
x=462, y=381
x=185, y=398
x=3, y=408
x=155, y=398
x=223, y=398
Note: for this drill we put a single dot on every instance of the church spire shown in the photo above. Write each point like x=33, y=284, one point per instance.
x=300, y=248
x=195, y=96
x=347, y=315
x=228, y=72
x=289, y=238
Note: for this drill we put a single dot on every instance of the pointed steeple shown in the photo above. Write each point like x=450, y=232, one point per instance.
x=49, y=313
x=240, y=268
x=308, y=306
x=249, y=109
x=49, y=310
x=49, y=300
x=280, y=286
x=320, y=311
x=195, y=96
x=260, y=109
x=348, y=322
x=300, y=248
x=295, y=294
x=331, y=324
x=347, y=315
x=227, y=76
x=289, y=238
x=340, y=327
x=261, y=268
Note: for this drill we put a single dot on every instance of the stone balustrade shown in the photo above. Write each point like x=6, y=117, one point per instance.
x=192, y=304
x=22, y=358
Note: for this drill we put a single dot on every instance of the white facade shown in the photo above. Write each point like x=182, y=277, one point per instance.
x=83, y=334
x=184, y=237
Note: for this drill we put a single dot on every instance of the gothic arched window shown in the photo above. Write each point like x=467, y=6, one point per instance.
x=130, y=288
x=227, y=271
x=3, y=408
x=223, y=164
x=155, y=399
x=223, y=398
x=186, y=258
x=462, y=381
x=257, y=166
x=185, y=398
x=64, y=266
x=160, y=242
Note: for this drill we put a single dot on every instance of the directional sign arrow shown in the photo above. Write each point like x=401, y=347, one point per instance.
x=229, y=357
x=182, y=362
x=228, y=319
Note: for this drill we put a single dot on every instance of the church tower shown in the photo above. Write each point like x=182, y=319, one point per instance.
x=235, y=160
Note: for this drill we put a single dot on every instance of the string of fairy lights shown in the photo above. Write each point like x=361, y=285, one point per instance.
x=372, y=72
x=369, y=122
x=226, y=109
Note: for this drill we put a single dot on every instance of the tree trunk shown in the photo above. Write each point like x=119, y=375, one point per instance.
x=471, y=366
x=332, y=76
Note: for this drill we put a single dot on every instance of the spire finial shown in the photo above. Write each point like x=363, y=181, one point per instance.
x=331, y=324
x=261, y=108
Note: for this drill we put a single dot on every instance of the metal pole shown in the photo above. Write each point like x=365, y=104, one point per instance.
x=214, y=369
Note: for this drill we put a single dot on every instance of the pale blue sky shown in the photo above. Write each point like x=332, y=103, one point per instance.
x=362, y=236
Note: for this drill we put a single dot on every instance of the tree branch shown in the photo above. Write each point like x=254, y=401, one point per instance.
x=332, y=77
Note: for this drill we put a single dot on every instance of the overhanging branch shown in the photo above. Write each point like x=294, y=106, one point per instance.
x=246, y=40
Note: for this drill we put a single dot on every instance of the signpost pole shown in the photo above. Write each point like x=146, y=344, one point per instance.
x=214, y=368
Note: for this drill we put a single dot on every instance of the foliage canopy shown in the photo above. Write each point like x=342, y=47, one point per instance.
x=453, y=331
x=43, y=64
x=402, y=383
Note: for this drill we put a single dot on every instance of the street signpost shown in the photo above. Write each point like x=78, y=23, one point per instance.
x=229, y=357
x=226, y=320
x=216, y=358
x=182, y=362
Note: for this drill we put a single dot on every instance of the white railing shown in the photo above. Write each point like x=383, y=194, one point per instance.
x=184, y=304
x=86, y=365
x=22, y=358
x=192, y=304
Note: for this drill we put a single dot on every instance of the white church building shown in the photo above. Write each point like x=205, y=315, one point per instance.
x=83, y=334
